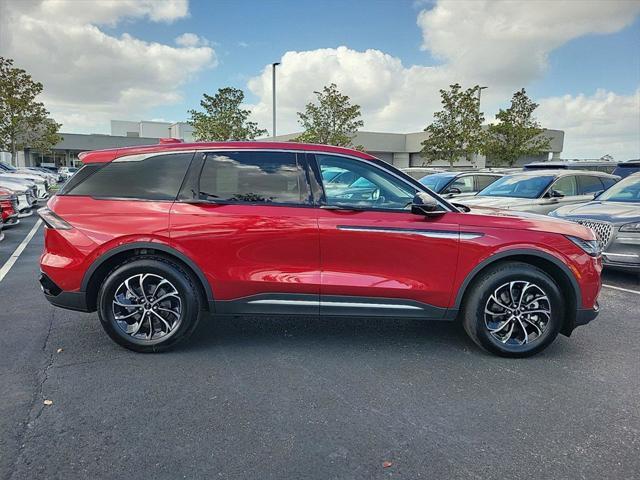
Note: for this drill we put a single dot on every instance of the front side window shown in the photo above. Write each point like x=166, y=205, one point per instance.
x=253, y=177
x=153, y=178
x=566, y=185
x=461, y=185
x=367, y=187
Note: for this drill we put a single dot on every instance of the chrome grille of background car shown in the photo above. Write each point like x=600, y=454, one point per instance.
x=14, y=203
x=603, y=230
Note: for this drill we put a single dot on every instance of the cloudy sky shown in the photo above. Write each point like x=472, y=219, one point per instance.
x=153, y=59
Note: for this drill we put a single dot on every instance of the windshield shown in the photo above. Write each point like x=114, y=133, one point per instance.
x=627, y=190
x=437, y=181
x=518, y=186
x=7, y=167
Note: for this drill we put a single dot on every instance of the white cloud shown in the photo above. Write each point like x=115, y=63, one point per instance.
x=89, y=75
x=603, y=123
x=503, y=44
x=192, y=40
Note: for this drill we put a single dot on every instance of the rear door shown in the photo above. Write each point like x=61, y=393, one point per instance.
x=247, y=219
x=377, y=258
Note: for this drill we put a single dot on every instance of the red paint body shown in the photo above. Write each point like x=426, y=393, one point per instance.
x=245, y=250
x=6, y=206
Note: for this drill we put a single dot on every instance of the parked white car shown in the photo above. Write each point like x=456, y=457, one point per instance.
x=9, y=171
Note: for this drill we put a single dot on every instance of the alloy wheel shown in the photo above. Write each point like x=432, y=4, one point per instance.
x=517, y=313
x=147, y=307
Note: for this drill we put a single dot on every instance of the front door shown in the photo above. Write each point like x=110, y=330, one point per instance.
x=251, y=228
x=377, y=258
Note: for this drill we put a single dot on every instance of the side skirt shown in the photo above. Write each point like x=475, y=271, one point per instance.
x=331, y=305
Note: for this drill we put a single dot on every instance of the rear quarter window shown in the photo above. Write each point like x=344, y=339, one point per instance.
x=154, y=178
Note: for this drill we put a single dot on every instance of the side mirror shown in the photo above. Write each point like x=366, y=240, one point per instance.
x=425, y=204
x=555, y=194
x=597, y=194
x=453, y=190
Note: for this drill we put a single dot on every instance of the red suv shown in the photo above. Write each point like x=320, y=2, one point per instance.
x=153, y=236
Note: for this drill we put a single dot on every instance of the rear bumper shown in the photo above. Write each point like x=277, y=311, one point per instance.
x=56, y=296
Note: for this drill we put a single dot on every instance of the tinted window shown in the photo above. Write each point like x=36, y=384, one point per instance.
x=154, y=178
x=589, y=184
x=255, y=177
x=483, y=181
x=80, y=177
x=368, y=186
x=566, y=185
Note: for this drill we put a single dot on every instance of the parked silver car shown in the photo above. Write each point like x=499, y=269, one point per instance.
x=614, y=216
x=542, y=191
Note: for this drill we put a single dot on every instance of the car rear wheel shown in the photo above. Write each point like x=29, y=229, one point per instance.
x=513, y=310
x=148, y=304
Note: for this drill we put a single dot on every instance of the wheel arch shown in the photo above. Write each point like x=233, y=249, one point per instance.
x=110, y=259
x=550, y=264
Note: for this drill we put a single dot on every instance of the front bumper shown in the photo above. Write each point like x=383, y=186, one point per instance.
x=56, y=296
x=585, y=315
x=623, y=251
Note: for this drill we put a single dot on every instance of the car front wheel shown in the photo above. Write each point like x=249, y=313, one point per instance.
x=513, y=310
x=148, y=304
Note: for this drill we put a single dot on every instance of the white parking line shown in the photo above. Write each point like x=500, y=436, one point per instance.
x=621, y=289
x=14, y=256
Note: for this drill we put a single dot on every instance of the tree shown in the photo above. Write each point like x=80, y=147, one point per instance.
x=516, y=134
x=223, y=119
x=45, y=137
x=457, y=129
x=23, y=121
x=332, y=121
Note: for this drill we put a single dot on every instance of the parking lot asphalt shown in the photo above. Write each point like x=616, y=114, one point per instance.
x=311, y=398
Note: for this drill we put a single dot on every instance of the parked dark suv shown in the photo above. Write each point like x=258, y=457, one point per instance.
x=152, y=236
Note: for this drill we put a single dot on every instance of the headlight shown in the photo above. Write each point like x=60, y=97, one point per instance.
x=631, y=227
x=591, y=247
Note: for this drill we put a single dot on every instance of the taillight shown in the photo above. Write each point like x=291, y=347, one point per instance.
x=52, y=220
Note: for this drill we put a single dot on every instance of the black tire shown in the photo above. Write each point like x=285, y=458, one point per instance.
x=514, y=275
x=186, y=304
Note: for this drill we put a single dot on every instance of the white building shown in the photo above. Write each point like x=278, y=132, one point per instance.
x=151, y=129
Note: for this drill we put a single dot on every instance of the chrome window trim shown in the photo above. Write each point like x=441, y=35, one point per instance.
x=143, y=156
x=328, y=303
x=408, y=231
x=139, y=157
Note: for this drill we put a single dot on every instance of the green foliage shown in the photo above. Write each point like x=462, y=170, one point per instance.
x=223, y=119
x=516, y=134
x=332, y=121
x=457, y=129
x=23, y=121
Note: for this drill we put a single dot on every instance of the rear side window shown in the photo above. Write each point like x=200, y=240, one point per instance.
x=608, y=182
x=484, y=181
x=82, y=174
x=253, y=177
x=589, y=184
x=153, y=178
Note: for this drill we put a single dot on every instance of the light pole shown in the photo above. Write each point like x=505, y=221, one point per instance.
x=479, y=94
x=273, y=80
